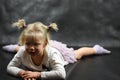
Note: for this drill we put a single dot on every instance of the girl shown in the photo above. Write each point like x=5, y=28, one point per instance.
x=43, y=58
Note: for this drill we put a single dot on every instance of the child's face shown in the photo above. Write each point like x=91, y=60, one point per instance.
x=34, y=45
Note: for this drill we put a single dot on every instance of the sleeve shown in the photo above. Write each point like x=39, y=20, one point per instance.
x=57, y=68
x=13, y=66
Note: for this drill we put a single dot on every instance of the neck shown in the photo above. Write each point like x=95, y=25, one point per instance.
x=37, y=59
x=37, y=55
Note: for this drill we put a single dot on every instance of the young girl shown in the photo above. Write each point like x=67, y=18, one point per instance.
x=42, y=57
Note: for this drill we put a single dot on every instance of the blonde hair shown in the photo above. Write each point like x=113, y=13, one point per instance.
x=34, y=28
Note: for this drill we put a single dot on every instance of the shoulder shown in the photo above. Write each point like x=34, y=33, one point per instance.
x=54, y=54
x=20, y=51
x=51, y=51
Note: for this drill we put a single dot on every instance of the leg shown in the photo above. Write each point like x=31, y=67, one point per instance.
x=16, y=49
x=86, y=51
x=11, y=48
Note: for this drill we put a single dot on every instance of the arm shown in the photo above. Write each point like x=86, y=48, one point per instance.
x=57, y=68
x=13, y=66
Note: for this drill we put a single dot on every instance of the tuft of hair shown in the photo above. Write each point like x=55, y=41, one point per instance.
x=54, y=26
x=19, y=24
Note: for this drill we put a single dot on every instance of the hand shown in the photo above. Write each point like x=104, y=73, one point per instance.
x=30, y=74
x=21, y=73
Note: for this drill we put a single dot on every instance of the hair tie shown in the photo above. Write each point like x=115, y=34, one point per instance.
x=24, y=26
x=20, y=24
x=49, y=27
x=53, y=26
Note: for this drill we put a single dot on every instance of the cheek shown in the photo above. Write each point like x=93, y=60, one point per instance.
x=27, y=49
x=40, y=49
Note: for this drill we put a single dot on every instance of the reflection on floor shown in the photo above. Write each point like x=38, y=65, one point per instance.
x=104, y=67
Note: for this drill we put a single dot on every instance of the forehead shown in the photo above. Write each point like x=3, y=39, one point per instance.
x=34, y=38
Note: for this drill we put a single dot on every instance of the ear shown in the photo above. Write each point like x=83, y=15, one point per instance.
x=46, y=42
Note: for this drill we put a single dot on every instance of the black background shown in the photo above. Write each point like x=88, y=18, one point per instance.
x=81, y=22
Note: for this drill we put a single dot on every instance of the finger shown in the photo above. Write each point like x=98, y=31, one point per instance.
x=33, y=79
x=29, y=79
x=25, y=78
x=28, y=71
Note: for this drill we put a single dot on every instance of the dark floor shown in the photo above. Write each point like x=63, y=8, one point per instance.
x=104, y=67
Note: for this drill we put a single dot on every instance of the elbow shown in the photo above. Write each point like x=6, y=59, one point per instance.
x=12, y=70
x=8, y=69
x=62, y=75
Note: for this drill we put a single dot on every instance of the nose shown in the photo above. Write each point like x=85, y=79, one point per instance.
x=31, y=47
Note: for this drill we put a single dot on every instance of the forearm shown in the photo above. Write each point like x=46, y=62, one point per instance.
x=48, y=75
x=53, y=75
x=13, y=70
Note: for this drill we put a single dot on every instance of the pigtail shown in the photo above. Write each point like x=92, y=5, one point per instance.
x=53, y=26
x=20, y=24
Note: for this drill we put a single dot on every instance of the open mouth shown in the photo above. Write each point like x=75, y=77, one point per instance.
x=31, y=53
